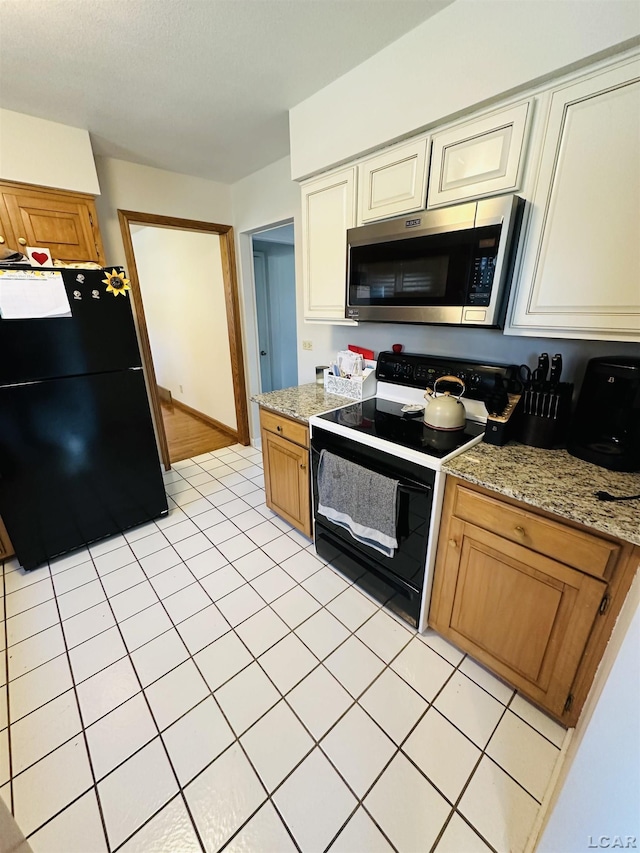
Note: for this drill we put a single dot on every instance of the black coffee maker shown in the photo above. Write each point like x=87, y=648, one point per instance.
x=605, y=428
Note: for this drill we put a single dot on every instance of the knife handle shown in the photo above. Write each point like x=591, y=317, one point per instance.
x=540, y=373
x=556, y=368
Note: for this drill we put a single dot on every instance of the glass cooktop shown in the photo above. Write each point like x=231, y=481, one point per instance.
x=385, y=419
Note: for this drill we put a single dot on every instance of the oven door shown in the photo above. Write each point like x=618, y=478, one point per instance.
x=398, y=580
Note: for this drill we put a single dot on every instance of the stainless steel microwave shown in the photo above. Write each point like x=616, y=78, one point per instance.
x=450, y=266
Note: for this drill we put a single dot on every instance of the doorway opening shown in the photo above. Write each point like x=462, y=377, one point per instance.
x=185, y=300
x=275, y=292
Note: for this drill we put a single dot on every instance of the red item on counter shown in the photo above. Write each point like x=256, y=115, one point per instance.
x=365, y=353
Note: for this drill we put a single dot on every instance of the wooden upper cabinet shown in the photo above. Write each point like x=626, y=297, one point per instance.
x=481, y=157
x=393, y=182
x=66, y=223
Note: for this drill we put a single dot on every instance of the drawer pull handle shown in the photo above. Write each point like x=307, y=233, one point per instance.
x=520, y=530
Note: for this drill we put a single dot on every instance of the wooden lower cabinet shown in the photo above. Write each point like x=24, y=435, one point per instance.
x=285, y=452
x=6, y=548
x=532, y=597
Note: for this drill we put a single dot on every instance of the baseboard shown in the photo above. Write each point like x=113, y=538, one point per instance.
x=232, y=433
x=164, y=394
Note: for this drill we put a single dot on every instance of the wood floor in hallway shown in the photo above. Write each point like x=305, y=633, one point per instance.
x=189, y=436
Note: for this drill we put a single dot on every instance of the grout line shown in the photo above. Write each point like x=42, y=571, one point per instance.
x=84, y=737
x=6, y=664
x=254, y=658
x=168, y=756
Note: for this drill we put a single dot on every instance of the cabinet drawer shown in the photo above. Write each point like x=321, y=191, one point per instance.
x=285, y=427
x=574, y=548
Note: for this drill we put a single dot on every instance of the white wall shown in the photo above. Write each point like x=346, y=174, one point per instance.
x=267, y=197
x=129, y=186
x=35, y=151
x=471, y=52
x=601, y=791
x=182, y=288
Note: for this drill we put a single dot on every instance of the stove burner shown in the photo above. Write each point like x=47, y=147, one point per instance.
x=385, y=419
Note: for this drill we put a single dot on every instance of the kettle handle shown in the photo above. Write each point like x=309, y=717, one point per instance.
x=450, y=379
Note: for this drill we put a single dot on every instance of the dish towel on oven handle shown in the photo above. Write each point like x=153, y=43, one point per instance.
x=362, y=501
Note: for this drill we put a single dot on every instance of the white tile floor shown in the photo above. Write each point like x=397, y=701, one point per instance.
x=207, y=682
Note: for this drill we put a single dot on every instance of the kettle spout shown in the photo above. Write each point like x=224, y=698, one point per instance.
x=428, y=396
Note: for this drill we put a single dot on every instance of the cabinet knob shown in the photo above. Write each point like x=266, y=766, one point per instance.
x=1, y=239
x=453, y=543
x=22, y=241
x=279, y=428
x=303, y=467
x=520, y=530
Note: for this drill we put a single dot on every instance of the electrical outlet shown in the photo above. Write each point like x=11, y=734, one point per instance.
x=307, y=344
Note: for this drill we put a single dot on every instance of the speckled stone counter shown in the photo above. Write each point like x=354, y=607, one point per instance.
x=301, y=401
x=555, y=481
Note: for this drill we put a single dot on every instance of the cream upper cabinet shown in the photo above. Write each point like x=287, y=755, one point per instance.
x=580, y=270
x=481, y=157
x=328, y=210
x=393, y=182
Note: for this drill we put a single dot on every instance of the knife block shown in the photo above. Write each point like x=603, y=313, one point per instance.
x=545, y=415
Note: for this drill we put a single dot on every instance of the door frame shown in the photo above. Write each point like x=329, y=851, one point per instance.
x=232, y=304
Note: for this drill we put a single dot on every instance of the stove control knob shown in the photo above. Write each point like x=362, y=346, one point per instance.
x=474, y=381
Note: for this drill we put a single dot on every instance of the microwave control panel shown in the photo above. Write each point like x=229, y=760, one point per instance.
x=484, y=267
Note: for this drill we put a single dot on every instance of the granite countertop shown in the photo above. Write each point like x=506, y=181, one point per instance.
x=555, y=481
x=301, y=401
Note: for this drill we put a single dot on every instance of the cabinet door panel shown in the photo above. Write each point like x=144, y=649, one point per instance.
x=394, y=182
x=482, y=157
x=525, y=616
x=582, y=257
x=61, y=227
x=328, y=210
x=287, y=480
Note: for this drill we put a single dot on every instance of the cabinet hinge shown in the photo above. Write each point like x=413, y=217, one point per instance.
x=604, y=604
x=91, y=220
x=568, y=704
x=97, y=249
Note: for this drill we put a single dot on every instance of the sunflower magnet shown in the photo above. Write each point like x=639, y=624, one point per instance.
x=116, y=283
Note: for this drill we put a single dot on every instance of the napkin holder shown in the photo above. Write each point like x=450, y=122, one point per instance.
x=356, y=388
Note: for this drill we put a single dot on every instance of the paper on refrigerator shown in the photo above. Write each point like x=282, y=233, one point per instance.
x=32, y=294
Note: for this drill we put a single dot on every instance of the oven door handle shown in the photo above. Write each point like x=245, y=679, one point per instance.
x=407, y=488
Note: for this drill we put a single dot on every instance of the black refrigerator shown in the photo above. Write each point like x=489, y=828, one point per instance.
x=78, y=457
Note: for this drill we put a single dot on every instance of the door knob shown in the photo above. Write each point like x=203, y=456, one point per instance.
x=263, y=352
x=22, y=241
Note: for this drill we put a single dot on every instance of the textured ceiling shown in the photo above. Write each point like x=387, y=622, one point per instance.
x=201, y=87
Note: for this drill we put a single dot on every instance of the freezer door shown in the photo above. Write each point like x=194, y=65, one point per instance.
x=99, y=336
x=78, y=461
